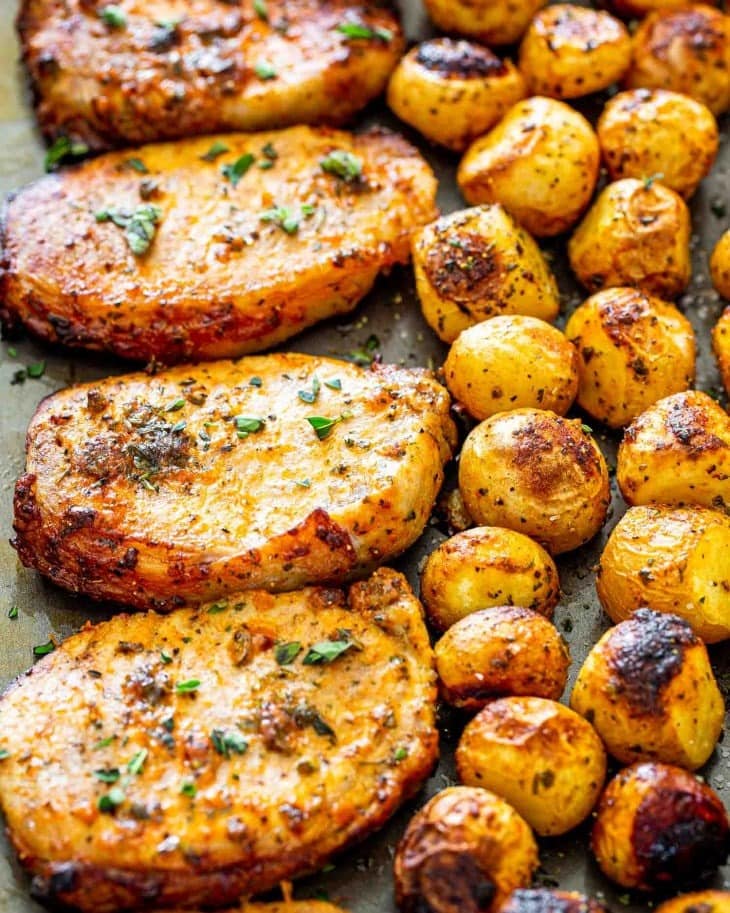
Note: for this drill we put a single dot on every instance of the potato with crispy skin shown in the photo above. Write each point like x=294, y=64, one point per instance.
x=721, y=335
x=543, y=758
x=544, y=900
x=673, y=559
x=697, y=902
x=453, y=91
x=720, y=268
x=648, y=688
x=465, y=851
x=659, y=827
x=634, y=349
x=540, y=162
x=489, y=21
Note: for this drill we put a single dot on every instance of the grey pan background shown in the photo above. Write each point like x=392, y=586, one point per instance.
x=360, y=880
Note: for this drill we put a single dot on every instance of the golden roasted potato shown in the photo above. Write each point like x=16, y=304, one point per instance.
x=489, y=21
x=538, y=473
x=540, y=162
x=658, y=826
x=453, y=91
x=697, y=902
x=543, y=900
x=645, y=132
x=543, y=758
x=569, y=51
x=720, y=265
x=633, y=349
x=501, y=651
x=674, y=559
x=721, y=340
x=636, y=233
x=686, y=50
x=509, y=362
x=483, y=567
x=465, y=851
x=478, y=263
x=648, y=688
x=677, y=452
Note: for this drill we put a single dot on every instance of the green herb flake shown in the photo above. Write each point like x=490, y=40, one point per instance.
x=246, y=424
x=63, y=148
x=12, y=352
x=187, y=687
x=261, y=10
x=265, y=70
x=137, y=165
x=287, y=653
x=36, y=370
x=400, y=754
x=136, y=762
x=266, y=164
x=303, y=483
x=358, y=31
x=111, y=801
x=165, y=657
x=104, y=743
x=255, y=382
x=13, y=612
x=586, y=429
x=234, y=171
x=189, y=789
x=268, y=151
x=228, y=741
x=326, y=651
x=342, y=164
x=176, y=405
x=217, y=608
x=367, y=354
x=334, y=384
x=107, y=774
x=113, y=16
x=217, y=149
x=323, y=426
x=4, y=754
x=44, y=649
x=310, y=396
x=139, y=226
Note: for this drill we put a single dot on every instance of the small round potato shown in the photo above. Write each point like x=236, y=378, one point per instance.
x=465, y=851
x=476, y=264
x=657, y=827
x=537, y=473
x=697, y=902
x=674, y=559
x=569, y=51
x=634, y=349
x=484, y=567
x=686, y=50
x=677, y=452
x=543, y=900
x=645, y=132
x=509, y=362
x=721, y=344
x=453, y=91
x=720, y=266
x=540, y=162
x=488, y=21
x=648, y=688
x=501, y=651
x=543, y=758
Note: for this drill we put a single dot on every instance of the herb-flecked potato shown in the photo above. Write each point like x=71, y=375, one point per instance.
x=453, y=91
x=645, y=132
x=720, y=265
x=540, y=162
x=544, y=900
x=673, y=559
x=659, y=827
x=634, y=349
x=569, y=51
x=636, y=233
x=648, y=688
x=499, y=651
x=465, y=851
x=509, y=362
x=488, y=21
x=677, y=452
x=540, y=756
x=686, y=50
x=484, y=567
x=721, y=337
x=697, y=902
x=476, y=264
x=538, y=473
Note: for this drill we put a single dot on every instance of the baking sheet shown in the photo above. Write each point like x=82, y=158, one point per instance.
x=361, y=880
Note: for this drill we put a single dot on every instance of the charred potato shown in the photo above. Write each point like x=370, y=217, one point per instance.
x=537, y=473
x=483, y=567
x=540, y=162
x=465, y=851
x=677, y=452
x=476, y=264
x=697, y=902
x=673, y=559
x=652, y=131
x=509, y=362
x=543, y=900
x=543, y=758
x=501, y=651
x=658, y=827
x=720, y=266
x=569, y=51
x=721, y=342
x=636, y=233
x=647, y=687
x=453, y=91
x=488, y=21
x=686, y=50
x=633, y=350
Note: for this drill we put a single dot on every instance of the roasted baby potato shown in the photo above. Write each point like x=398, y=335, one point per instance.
x=501, y=651
x=478, y=263
x=720, y=265
x=487, y=566
x=697, y=902
x=644, y=132
x=673, y=559
x=537, y=473
x=648, y=688
x=544, y=900
x=634, y=349
x=543, y=758
x=540, y=162
x=659, y=827
x=569, y=51
x=489, y=21
x=677, y=452
x=465, y=851
x=686, y=50
x=721, y=341
x=453, y=91
x=509, y=362
x=636, y=233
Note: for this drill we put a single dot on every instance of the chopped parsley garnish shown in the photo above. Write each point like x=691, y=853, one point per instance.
x=303, y=483
x=108, y=774
x=400, y=754
x=216, y=150
x=63, y=148
x=334, y=384
x=323, y=426
x=357, y=30
x=137, y=165
x=36, y=370
x=139, y=226
x=649, y=181
x=44, y=649
x=113, y=16
x=228, y=741
x=367, y=354
x=261, y=9
x=165, y=657
x=326, y=651
x=217, y=608
x=283, y=217
x=265, y=70
x=309, y=396
x=586, y=429
x=176, y=405
x=13, y=612
x=255, y=382
x=136, y=762
x=4, y=754
x=192, y=684
x=246, y=424
x=104, y=743
x=287, y=653
x=189, y=789
x=343, y=165
x=268, y=151
x=234, y=171
x=109, y=802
